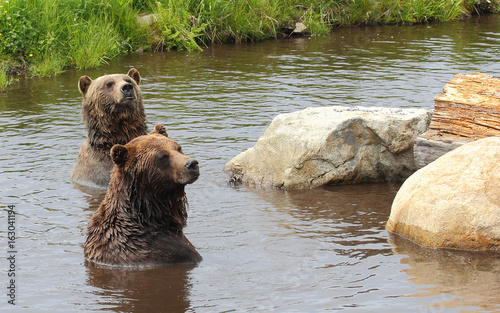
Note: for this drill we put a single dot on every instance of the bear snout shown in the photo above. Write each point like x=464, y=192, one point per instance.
x=192, y=165
x=192, y=172
x=128, y=90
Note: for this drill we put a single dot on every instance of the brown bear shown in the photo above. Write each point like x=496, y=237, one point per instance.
x=113, y=114
x=140, y=221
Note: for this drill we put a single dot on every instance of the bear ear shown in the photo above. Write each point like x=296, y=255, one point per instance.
x=119, y=154
x=83, y=84
x=134, y=74
x=160, y=129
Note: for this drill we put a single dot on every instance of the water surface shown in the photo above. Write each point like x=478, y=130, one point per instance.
x=264, y=250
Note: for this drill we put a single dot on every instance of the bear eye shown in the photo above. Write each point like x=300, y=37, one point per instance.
x=127, y=80
x=109, y=85
x=178, y=148
x=162, y=158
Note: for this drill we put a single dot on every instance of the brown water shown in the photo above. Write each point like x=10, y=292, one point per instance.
x=264, y=250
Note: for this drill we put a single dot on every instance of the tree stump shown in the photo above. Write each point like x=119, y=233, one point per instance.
x=467, y=110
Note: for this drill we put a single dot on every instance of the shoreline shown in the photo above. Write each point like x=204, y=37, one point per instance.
x=88, y=39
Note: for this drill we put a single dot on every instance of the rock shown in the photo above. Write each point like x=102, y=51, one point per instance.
x=140, y=50
x=467, y=110
x=333, y=145
x=147, y=19
x=453, y=202
x=300, y=28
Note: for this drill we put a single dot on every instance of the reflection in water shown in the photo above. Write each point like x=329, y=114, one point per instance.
x=452, y=278
x=163, y=289
x=93, y=196
x=306, y=250
x=350, y=218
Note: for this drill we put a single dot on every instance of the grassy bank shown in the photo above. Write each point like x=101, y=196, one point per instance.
x=42, y=37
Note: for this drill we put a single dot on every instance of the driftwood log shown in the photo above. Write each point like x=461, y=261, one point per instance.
x=467, y=110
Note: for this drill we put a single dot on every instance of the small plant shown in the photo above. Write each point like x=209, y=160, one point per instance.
x=175, y=27
x=19, y=32
x=316, y=22
x=481, y=6
x=5, y=80
x=50, y=64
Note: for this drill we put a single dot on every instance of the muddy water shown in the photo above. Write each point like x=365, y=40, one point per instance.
x=264, y=250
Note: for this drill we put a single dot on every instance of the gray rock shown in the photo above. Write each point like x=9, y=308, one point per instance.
x=147, y=19
x=333, y=145
x=454, y=202
x=299, y=28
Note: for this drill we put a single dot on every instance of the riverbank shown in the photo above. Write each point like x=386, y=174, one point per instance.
x=42, y=38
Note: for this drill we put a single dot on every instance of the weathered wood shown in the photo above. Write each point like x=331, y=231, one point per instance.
x=467, y=110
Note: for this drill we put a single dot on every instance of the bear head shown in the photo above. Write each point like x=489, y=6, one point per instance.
x=112, y=96
x=154, y=162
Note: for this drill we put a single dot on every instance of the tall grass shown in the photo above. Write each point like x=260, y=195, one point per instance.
x=5, y=80
x=45, y=36
x=240, y=21
x=175, y=27
x=94, y=41
x=370, y=12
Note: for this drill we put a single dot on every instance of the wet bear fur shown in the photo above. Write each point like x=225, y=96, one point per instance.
x=141, y=219
x=113, y=113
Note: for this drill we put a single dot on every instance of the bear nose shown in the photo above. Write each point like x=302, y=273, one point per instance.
x=127, y=89
x=192, y=165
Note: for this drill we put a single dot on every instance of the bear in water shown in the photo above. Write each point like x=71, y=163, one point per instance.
x=140, y=221
x=113, y=113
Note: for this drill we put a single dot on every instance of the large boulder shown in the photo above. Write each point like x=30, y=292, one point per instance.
x=454, y=202
x=333, y=145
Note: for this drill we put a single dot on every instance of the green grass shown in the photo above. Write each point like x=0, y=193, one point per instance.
x=94, y=41
x=5, y=80
x=49, y=64
x=240, y=21
x=46, y=36
x=174, y=27
x=369, y=12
